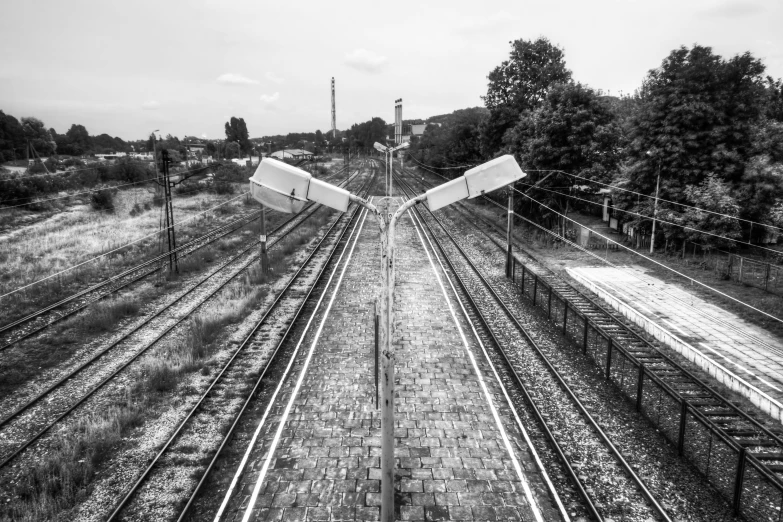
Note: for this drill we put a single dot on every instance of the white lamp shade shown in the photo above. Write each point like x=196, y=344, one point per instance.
x=447, y=193
x=280, y=186
x=328, y=194
x=285, y=188
x=379, y=147
x=493, y=175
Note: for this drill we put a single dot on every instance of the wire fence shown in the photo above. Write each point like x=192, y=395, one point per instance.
x=753, y=491
x=767, y=276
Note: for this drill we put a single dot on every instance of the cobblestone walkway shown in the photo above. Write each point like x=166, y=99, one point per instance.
x=451, y=461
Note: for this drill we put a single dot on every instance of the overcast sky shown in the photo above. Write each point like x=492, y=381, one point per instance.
x=186, y=67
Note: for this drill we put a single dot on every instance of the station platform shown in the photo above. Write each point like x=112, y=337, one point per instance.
x=459, y=455
x=742, y=356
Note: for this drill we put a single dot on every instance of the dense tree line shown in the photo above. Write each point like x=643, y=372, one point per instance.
x=17, y=135
x=711, y=127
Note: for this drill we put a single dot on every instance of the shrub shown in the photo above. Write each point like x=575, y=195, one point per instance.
x=222, y=187
x=103, y=200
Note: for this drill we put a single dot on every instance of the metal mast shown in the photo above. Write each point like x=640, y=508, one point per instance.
x=334, y=113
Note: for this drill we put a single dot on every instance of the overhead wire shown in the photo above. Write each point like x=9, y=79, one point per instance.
x=122, y=246
x=626, y=248
x=650, y=259
x=659, y=199
x=685, y=227
x=2, y=206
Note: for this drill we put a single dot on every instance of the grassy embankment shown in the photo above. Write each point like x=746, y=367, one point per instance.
x=66, y=239
x=62, y=478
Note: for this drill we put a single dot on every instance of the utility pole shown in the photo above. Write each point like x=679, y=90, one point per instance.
x=655, y=208
x=264, y=258
x=172, y=240
x=334, y=114
x=509, y=259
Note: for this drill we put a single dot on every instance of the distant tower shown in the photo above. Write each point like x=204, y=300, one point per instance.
x=398, y=121
x=334, y=113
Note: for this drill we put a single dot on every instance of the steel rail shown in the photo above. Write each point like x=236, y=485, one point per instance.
x=149, y=345
x=187, y=248
x=610, y=314
x=272, y=360
x=566, y=388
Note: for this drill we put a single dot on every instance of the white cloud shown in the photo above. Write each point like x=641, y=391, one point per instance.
x=150, y=105
x=266, y=98
x=203, y=135
x=484, y=24
x=272, y=77
x=235, y=79
x=365, y=61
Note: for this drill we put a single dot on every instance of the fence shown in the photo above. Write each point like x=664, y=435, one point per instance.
x=760, y=274
x=754, y=492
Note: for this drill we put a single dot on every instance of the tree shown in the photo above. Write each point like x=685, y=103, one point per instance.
x=319, y=137
x=455, y=143
x=572, y=130
x=232, y=150
x=697, y=116
x=236, y=130
x=75, y=142
x=520, y=84
x=12, y=141
x=35, y=132
x=716, y=195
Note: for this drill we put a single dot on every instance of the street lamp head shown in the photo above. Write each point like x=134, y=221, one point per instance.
x=286, y=188
x=379, y=147
x=477, y=181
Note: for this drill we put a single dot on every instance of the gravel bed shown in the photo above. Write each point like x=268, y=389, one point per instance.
x=47, y=410
x=682, y=490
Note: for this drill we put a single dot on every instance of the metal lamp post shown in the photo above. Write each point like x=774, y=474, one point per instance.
x=287, y=189
x=389, y=152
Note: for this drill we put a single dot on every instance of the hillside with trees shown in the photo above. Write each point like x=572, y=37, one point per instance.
x=712, y=127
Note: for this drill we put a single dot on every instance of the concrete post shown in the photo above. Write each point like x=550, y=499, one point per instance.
x=509, y=229
x=264, y=258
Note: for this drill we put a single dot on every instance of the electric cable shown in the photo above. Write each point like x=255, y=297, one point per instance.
x=121, y=247
x=659, y=199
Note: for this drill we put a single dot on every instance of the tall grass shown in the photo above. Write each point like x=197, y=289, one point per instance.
x=62, y=479
x=33, y=252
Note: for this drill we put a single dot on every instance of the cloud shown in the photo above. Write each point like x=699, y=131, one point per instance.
x=488, y=23
x=150, y=105
x=272, y=77
x=235, y=79
x=365, y=61
x=732, y=9
x=203, y=135
x=270, y=99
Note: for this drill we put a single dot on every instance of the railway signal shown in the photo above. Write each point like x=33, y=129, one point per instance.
x=287, y=188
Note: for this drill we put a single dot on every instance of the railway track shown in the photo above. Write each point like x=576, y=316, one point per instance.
x=737, y=453
x=605, y=481
x=268, y=352
x=35, y=322
x=37, y=415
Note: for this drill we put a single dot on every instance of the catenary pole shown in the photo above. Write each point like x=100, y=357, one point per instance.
x=655, y=208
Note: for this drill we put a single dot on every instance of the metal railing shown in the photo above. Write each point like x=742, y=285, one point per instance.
x=753, y=490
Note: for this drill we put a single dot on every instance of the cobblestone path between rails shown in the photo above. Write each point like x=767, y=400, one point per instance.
x=452, y=463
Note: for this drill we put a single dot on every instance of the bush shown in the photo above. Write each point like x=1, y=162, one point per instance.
x=37, y=168
x=233, y=172
x=73, y=162
x=157, y=199
x=222, y=187
x=103, y=200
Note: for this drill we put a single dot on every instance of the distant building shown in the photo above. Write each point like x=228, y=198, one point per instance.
x=418, y=129
x=292, y=154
